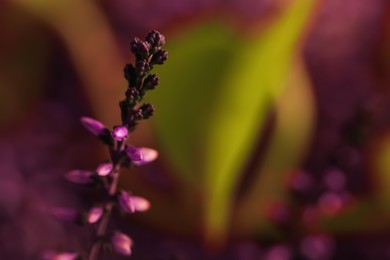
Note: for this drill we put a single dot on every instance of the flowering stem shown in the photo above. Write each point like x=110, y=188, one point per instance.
x=102, y=228
x=147, y=54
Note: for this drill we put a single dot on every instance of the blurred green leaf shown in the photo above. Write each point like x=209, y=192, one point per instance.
x=191, y=82
x=216, y=92
x=249, y=89
x=294, y=118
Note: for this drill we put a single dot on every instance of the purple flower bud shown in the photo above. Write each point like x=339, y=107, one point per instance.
x=147, y=154
x=104, y=169
x=139, y=47
x=94, y=214
x=122, y=243
x=159, y=57
x=141, y=67
x=138, y=114
x=132, y=204
x=52, y=255
x=155, y=39
x=120, y=132
x=92, y=125
x=146, y=110
x=151, y=81
x=132, y=94
x=65, y=214
x=79, y=176
x=133, y=153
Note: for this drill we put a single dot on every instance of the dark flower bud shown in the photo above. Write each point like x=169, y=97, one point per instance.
x=151, y=81
x=155, y=39
x=132, y=95
x=146, y=110
x=138, y=114
x=159, y=57
x=140, y=48
x=141, y=67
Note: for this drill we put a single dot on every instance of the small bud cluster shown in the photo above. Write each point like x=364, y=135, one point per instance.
x=147, y=54
x=105, y=177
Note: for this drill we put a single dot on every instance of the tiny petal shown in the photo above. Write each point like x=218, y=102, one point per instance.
x=140, y=204
x=120, y=132
x=131, y=204
x=124, y=202
x=134, y=153
x=65, y=214
x=148, y=155
x=92, y=125
x=52, y=255
x=122, y=243
x=79, y=176
x=104, y=169
x=94, y=215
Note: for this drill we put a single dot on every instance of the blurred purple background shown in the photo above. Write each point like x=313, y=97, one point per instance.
x=62, y=60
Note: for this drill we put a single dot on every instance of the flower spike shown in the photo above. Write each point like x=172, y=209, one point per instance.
x=105, y=178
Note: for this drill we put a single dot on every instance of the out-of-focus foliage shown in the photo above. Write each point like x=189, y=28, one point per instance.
x=87, y=36
x=219, y=87
x=295, y=115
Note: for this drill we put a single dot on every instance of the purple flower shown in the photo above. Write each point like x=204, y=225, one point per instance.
x=79, y=176
x=147, y=155
x=104, y=169
x=94, y=214
x=52, y=255
x=133, y=153
x=122, y=243
x=92, y=125
x=120, y=132
x=132, y=204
